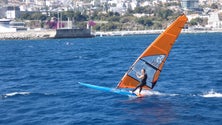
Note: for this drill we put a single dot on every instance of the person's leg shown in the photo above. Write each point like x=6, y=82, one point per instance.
x=137, y=87
x=141, y=86
x=140, y=89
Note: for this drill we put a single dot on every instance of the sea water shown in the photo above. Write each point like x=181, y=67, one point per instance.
x=39, y=82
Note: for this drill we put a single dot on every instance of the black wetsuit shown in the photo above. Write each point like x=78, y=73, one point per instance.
x=142, y=83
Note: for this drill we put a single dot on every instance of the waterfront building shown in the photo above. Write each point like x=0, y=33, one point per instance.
x=210, y=2
x=5, y=26
x=12, y=12
x=20, y=26
x=189, y=4
x=215, y=20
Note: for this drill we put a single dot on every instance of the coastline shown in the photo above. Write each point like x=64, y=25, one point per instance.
x=147, y=32
x=50, y=34
x=27, y=35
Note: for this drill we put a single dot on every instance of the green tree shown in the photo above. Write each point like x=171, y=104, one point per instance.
x=114, y=19
x=164, y=13
x=193, y=22
x=97, y=27
x=110, y=14
x=80, y=17
x=145, y=21
x=139, y=10
x=125, y=19
x=157, y=25
x=111, y=26
x=214, y=6
x=196, y=21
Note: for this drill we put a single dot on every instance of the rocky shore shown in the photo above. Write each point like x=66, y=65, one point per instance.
x=26, y=35
x=50, y=34
x=145, y=32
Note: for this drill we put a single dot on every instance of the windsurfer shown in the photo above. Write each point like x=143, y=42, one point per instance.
x=143, y=78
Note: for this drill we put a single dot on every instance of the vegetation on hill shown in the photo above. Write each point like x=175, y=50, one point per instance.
x=140, y=18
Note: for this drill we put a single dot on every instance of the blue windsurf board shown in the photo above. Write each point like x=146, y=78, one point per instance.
x=107, y=89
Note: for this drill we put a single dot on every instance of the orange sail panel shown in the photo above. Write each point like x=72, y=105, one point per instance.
x=154, y=57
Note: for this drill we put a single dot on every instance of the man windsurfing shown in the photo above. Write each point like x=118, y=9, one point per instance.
x=143, y=77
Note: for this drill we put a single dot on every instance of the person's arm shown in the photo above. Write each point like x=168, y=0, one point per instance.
x=140, y=76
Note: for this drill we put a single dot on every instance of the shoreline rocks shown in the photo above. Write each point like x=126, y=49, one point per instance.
x=51, y=34
x=26, y=35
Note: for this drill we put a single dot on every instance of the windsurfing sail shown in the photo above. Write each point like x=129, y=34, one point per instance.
x=154, y=57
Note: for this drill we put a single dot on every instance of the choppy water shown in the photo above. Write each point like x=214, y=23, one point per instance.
x=39, y=82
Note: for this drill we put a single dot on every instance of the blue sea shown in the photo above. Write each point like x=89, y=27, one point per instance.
x=39, y=82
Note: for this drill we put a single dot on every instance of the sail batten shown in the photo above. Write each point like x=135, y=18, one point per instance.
x=172, y=35
x=161, y=50
x=154, y=57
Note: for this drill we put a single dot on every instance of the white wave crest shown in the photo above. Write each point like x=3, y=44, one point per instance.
x=211, y=94
x=150, y=93
x=16, y=93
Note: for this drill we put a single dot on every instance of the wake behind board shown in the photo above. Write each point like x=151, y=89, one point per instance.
x=107, y=89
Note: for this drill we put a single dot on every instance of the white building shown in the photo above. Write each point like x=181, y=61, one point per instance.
x=5, y=27
x=12, y=12
x=215, y=21
x=189, y=4
x=209, y=2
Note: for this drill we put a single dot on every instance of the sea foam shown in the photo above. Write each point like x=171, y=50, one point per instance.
x=211, y=94
x=150, y=93
x=15, y=93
